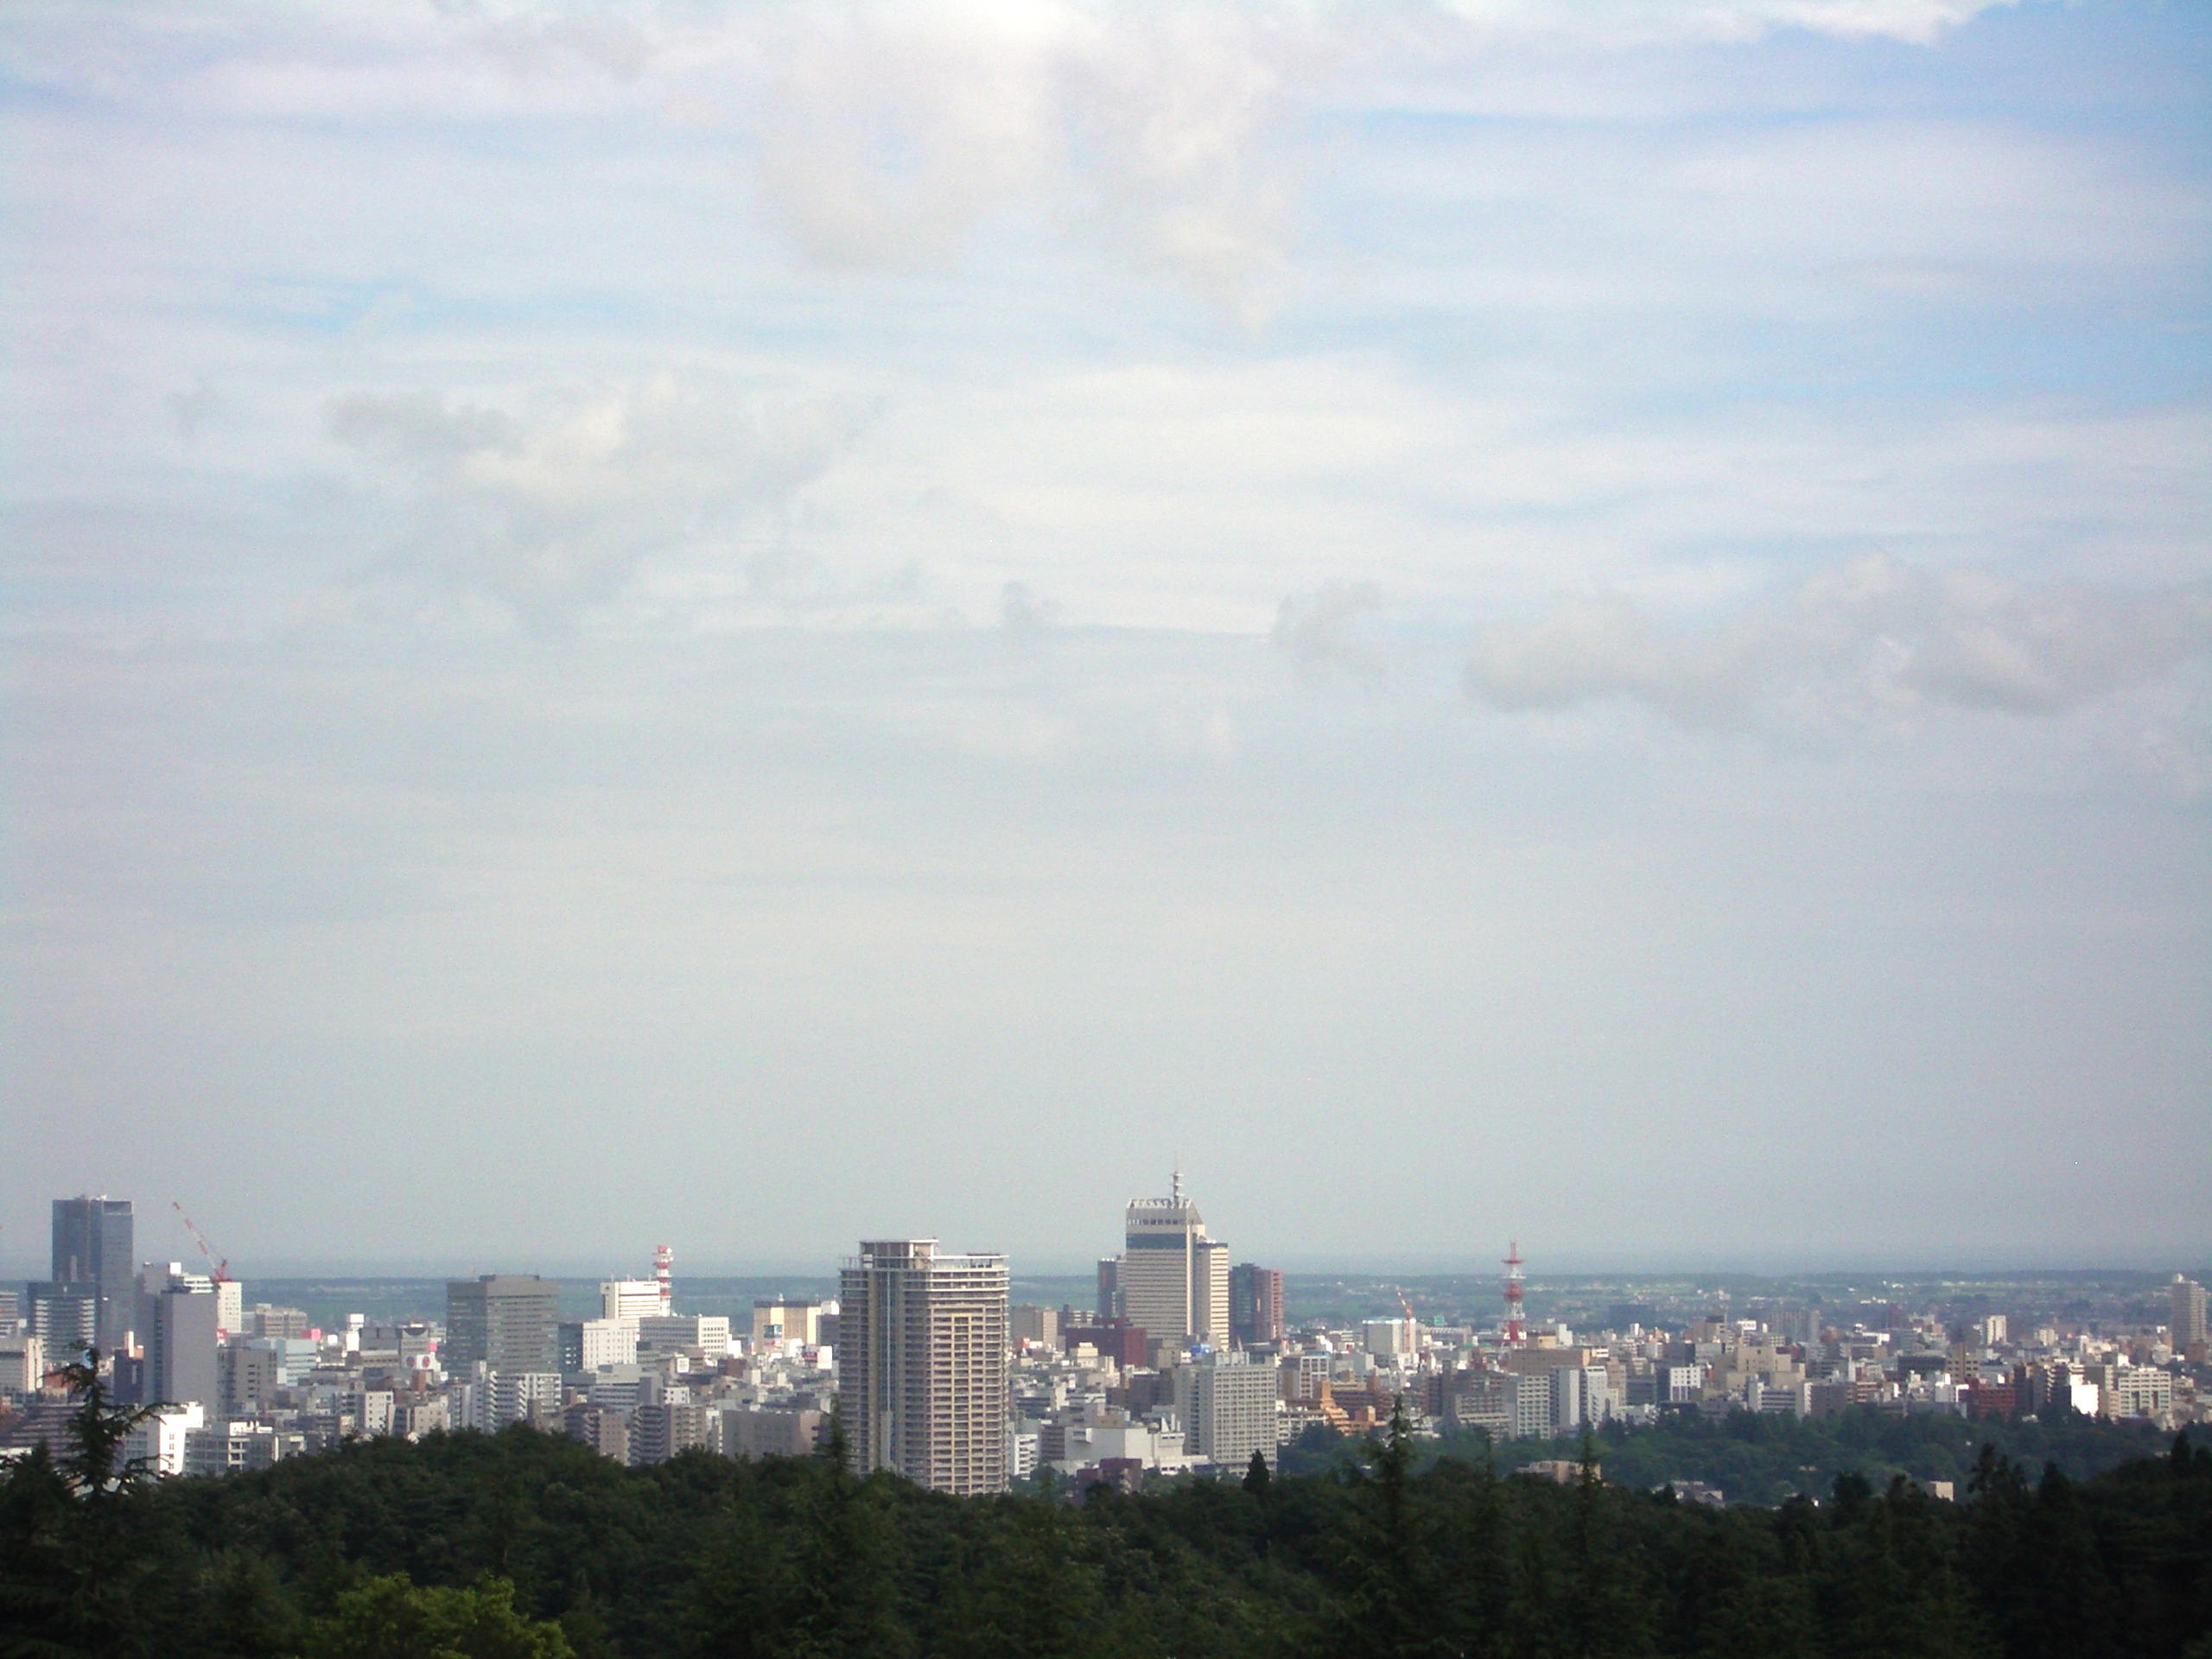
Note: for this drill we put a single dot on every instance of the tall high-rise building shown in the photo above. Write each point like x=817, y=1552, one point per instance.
x=510, y=1321
x=180, y=1323
x=922, y=1364
x=1254, y=1305
x=2187, y=1324
x=1174, y=1279
x=93, y=1254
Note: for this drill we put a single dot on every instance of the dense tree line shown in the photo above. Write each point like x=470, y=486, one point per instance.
x=1767, y=1459
x=523, y=1545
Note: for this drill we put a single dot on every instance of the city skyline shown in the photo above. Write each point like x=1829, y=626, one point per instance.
x=922, y=1365
x=1581, y=622
x=1063, y=1264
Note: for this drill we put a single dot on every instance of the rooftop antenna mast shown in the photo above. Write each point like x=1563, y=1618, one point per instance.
x=1516, y=1330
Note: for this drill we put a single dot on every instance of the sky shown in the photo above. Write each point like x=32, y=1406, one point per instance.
x=747, y=626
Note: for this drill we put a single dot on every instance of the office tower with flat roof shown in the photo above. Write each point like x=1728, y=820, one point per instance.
x=93, y=1253
x=922, y=1364
x=631, y=1298
x=510, y=1321
x=181, y=1320
x=1174, y=1279
x=66, y=1317
x=1254, y=1305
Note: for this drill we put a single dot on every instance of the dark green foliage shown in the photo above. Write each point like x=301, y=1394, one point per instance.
x=1758, y=1459
x=390, y=1619
x=525, y=1545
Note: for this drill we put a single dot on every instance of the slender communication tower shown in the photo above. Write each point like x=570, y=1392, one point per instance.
x=1516, y=1332
x=664, y=1276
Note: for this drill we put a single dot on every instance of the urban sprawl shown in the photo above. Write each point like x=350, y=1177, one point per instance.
x=1181, y=1364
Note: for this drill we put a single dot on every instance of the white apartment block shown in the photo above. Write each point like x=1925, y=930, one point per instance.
x=609, y=1341
x=159, y=1443
x=510, y=1396
x=1228, y=1409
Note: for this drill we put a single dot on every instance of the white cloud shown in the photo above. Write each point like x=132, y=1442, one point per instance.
x=889, y=133
x=1320, y=630
x=1629, y=22
x=1867, y=637
x=552, y=513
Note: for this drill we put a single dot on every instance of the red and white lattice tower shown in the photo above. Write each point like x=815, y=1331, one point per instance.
x=1516, y=1332
x=664, y=1276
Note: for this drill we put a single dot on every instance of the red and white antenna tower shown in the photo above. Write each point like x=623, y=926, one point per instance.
x=664, y=1276
x=1516, y=1332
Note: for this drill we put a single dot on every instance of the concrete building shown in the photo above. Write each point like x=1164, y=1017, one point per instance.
x=522, y=1397
x=251, y=1371
x=2186, y=1324
x=230, y=1448
x=754, y=1432
x=664, y=1427
x=781, y=1319
x=67, y=1318
x=229, y=1308
x=2126, y=1391
x=1530, y=1410
x=632, y=1299
x=705, y=1333
x=1475, y=1400
x=1254, y=1305
x=593, y=1345
x=1228, y=1409
x=1173, y=1279
x=23, y=1364
x=1123, y=1341
x=1031, y=1324
x=263, y=1320
x=510, y=1322
x=1581, y=1397
x=94, y=1246
x=158, y=1443
x=604, y=1429
x=922, y=1364
x=1386, y=1336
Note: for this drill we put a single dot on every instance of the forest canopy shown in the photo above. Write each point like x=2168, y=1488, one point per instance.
x=526, y=1546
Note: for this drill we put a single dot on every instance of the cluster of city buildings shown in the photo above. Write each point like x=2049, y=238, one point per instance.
x=1184, y=1362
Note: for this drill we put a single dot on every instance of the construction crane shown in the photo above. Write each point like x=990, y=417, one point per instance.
x=220, y=1271
x=1412, y=1324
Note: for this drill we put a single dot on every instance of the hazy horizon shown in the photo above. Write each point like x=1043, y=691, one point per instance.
x=755, y=625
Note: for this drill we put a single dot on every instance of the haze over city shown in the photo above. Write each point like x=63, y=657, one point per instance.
x=763, y=627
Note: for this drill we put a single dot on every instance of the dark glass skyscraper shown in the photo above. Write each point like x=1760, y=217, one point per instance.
x=510, y=1321
x=1254, y=1305
x=93, y=1256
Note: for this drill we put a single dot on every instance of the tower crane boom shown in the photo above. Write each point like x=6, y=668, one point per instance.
x=219, y=1270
